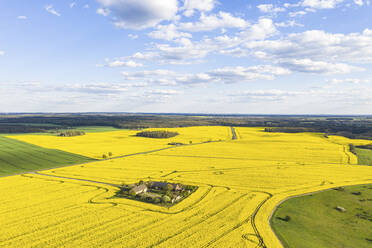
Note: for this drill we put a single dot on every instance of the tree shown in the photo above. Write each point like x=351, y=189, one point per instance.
x=170, y=187
x=190, y=142
x=166, y=198
x=110, y=154
x=132, y=193
x=104, y=156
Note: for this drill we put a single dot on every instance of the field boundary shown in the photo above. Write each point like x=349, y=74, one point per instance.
x=113, y=158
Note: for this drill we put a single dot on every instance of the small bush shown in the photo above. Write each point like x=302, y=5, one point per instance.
x=287, y=218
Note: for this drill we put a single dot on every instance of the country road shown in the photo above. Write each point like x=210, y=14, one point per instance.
x=234, y=136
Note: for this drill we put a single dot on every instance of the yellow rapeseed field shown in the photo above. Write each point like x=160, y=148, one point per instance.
x=123, y=142
x=240, y=183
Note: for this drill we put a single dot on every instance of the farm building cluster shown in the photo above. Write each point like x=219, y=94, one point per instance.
x=161, y=193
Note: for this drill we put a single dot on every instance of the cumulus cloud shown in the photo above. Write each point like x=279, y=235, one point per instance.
x=321, y=4
x=289, y=23
x=50, y=9
x=133, y=36
x=168, y=92
x=22, y=17
x=2, y=53
x=94, y=88
x=359, y=2
x=119, y=63
x=270, y=8
x=103, y=11
x=167, y=54
x=72, y=5
x=265, y=95
x=168, y=32
x=227, y=75
x=259, y=31
x=297, y=13
x=214, y=21
x=190, y=6
x=134, y=14
x=318, y=67
x=317, y=45
x=186, y=51
x=244, y=74
x=349, y=80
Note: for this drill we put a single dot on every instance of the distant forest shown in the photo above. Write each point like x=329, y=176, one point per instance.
x=351, y=127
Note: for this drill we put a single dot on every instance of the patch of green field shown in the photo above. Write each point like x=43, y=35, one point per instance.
x=315, y=223
x=364, y=156
x=17, y=157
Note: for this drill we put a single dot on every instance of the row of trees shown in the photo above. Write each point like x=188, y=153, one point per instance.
x=157, y=134
x=71, y=133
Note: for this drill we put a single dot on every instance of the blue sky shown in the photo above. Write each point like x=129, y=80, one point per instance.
x=252, y=57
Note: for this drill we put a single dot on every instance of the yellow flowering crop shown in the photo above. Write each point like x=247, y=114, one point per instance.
x=240, y=183
x=123, y=142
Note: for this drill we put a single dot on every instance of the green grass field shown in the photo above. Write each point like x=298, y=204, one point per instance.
x=17, y=157
x=364, y=156
x=315, y=223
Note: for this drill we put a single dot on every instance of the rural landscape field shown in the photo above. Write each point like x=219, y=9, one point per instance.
x=186, y=124
x=242, y=174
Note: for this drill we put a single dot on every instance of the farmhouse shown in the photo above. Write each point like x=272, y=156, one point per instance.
x=158, y=185
x=139, y=189
x=165, y=185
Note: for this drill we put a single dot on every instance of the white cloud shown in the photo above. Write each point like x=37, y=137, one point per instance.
x=261, y=30
x=134, y=14
x=359, y=2
x=94, y=88
x=297, y=13
x=163, y=92
x=270, y=8
x=187, y=52
x=72, y=5
x=265, y=95
x=190, y=6
x=321, y=4
x=2, y=53
x=86, y=6
x=130, y=63
x=168, y=32
x=318, y=67
x=22, y=17
x=103, y=11
x=167, y=54
x=214, y=21
x=221, y=75
x=289, y=23
x=51, y=10
x=133, y=36
x=349, y=80
x=317, y=45
x=244, y=74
